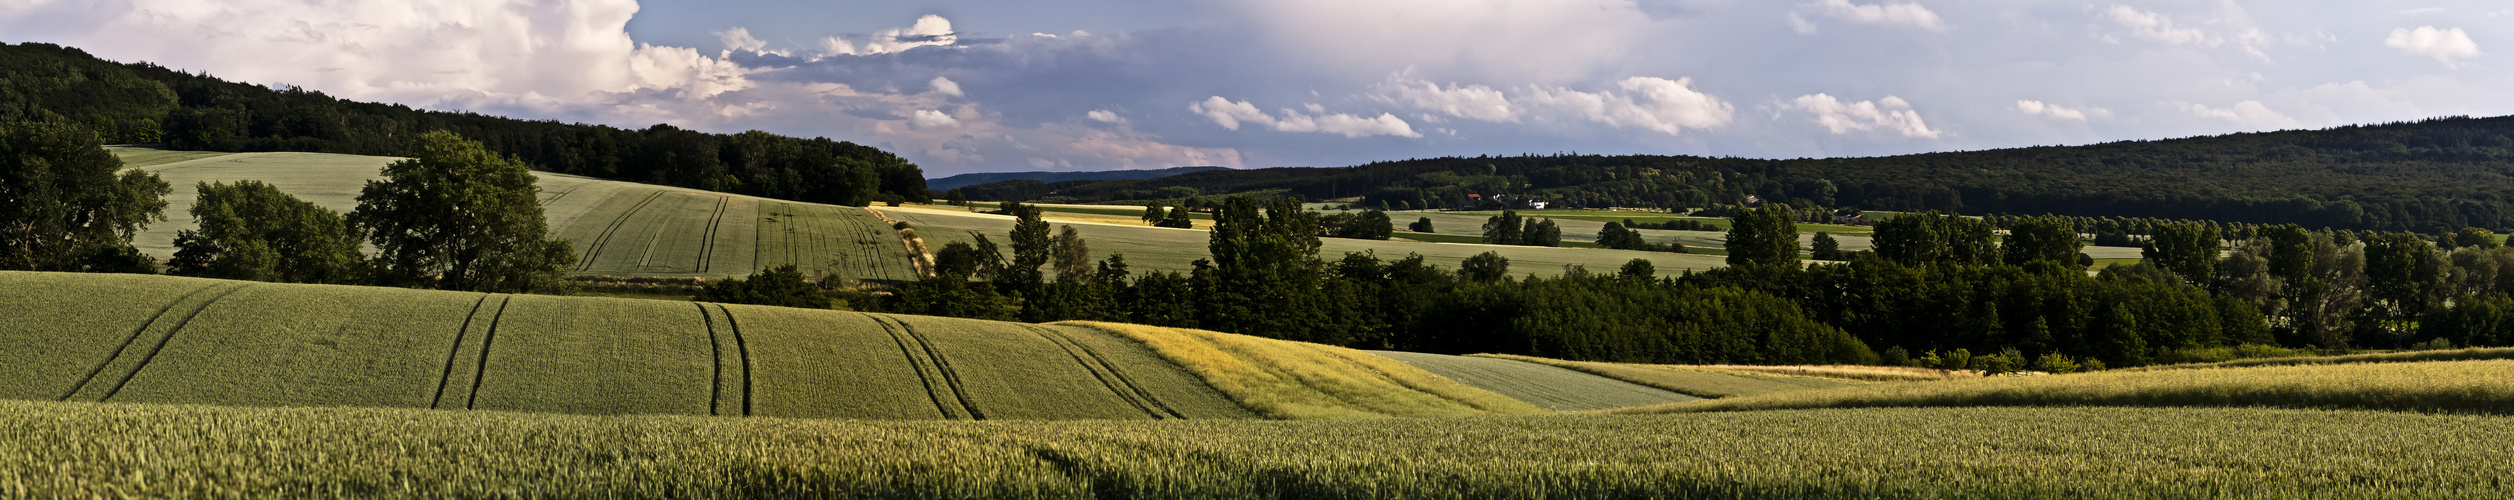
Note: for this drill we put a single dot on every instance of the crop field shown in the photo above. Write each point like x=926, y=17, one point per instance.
x=159, y=339
x=1299, y=380
x=1691, y=381
x=618, y=228
x=2485, y=386
x=50, y=449
x=2386, y=357
x=1548, y=387
x=1167, y=249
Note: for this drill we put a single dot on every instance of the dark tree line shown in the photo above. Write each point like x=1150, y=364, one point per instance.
x=145, y=103
x=2425, y=176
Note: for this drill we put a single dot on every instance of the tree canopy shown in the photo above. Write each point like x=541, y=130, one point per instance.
x=459, y=217
x=67, y=205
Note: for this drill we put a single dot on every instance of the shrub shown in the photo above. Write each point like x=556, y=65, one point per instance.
x=2054, y=362
x=779, y=286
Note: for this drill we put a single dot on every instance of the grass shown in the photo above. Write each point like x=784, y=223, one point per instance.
x=146, y=155
x=2485, y=386
x=159, y=451
x=1849, y=372
x=1299, y=380
x=162, y=339
x=1694, y=381
x=1548, y=387
x=329, y=180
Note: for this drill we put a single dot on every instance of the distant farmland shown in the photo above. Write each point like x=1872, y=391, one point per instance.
x=618, y=228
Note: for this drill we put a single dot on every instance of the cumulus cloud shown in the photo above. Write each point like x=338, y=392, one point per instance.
x=2229, y=25
x=740, y=39
x=2446, y=45
x=1663, y=105
x=1230, y=115
x=1659, y=104
x=1104, y=116
x=930, y=119
x=2055, y=111
x=472, y=54
x=945, y=86
x=2247, y=112
x=1890, y=113
x=928, y=31
x=1475, y=102
x=1906, y=15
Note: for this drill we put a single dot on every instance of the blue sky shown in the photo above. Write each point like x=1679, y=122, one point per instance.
x=1103, y=84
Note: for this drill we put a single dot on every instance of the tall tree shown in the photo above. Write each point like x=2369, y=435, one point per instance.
x=1934, y=237
x=1503, y=229
x=67, y=205
x=459, y=217
x=1030, y=247
x=1070, y=255
x=252, y=231
x=2041, y=239
x=2188, y=250
x=1763, y=237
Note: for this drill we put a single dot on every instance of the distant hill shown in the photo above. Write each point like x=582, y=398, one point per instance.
x=2424, y=176
x=961, y=180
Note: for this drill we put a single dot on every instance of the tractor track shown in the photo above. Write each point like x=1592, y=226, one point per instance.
x=481, y=374
x=1109, y=376
x=601, y=240
x=456, y=351
x=931, y=369
x=142, y=361
x=134, y=336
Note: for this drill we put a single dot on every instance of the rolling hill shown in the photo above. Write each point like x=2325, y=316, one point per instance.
x=971, y=179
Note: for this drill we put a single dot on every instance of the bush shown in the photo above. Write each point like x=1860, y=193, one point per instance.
x=779, y=286
x=2054, y=362
x=1895, y=356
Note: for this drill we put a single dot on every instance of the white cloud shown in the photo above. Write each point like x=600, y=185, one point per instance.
x=1230, y=115
x=471, y=54
x=1104, y=116
x=2444, y=45
x=2229, y=24
x=2039, y=108
x=1890, y=113
x=1663, y=105
x=1476, y=102
x=2247, y=112
x=2154, y=26
x=945, y=86
x=927, y=119
x=929, y=31
x=1907, y=15
x=740, y=39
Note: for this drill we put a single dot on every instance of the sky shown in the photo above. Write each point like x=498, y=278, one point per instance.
x=995, y=85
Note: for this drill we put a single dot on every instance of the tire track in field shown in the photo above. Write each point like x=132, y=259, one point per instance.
x=937, y=377
x=133, y=337
x=456, y=351
x=742, y=361
x=742, y=351
x=487, y=339
x=603, y=239
x=160, y=345
x=563, y=194
x=707, y=246
x=1109, y=376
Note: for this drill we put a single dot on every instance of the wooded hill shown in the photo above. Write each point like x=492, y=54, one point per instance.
x=2425, y=176
x=147, y=103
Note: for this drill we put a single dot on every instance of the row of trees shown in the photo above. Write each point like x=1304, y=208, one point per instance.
x=1511, y=229
x=1266, y=278
x=455, y=217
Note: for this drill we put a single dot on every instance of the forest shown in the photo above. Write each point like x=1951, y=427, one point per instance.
x=2425, y=176
x=145, y=103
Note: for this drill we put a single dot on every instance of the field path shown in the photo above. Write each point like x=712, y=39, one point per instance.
x=1558, y=389
x=733, y=375
x=122, y=366
x=1108, y=374
x=940, y=383
x=469, y=354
